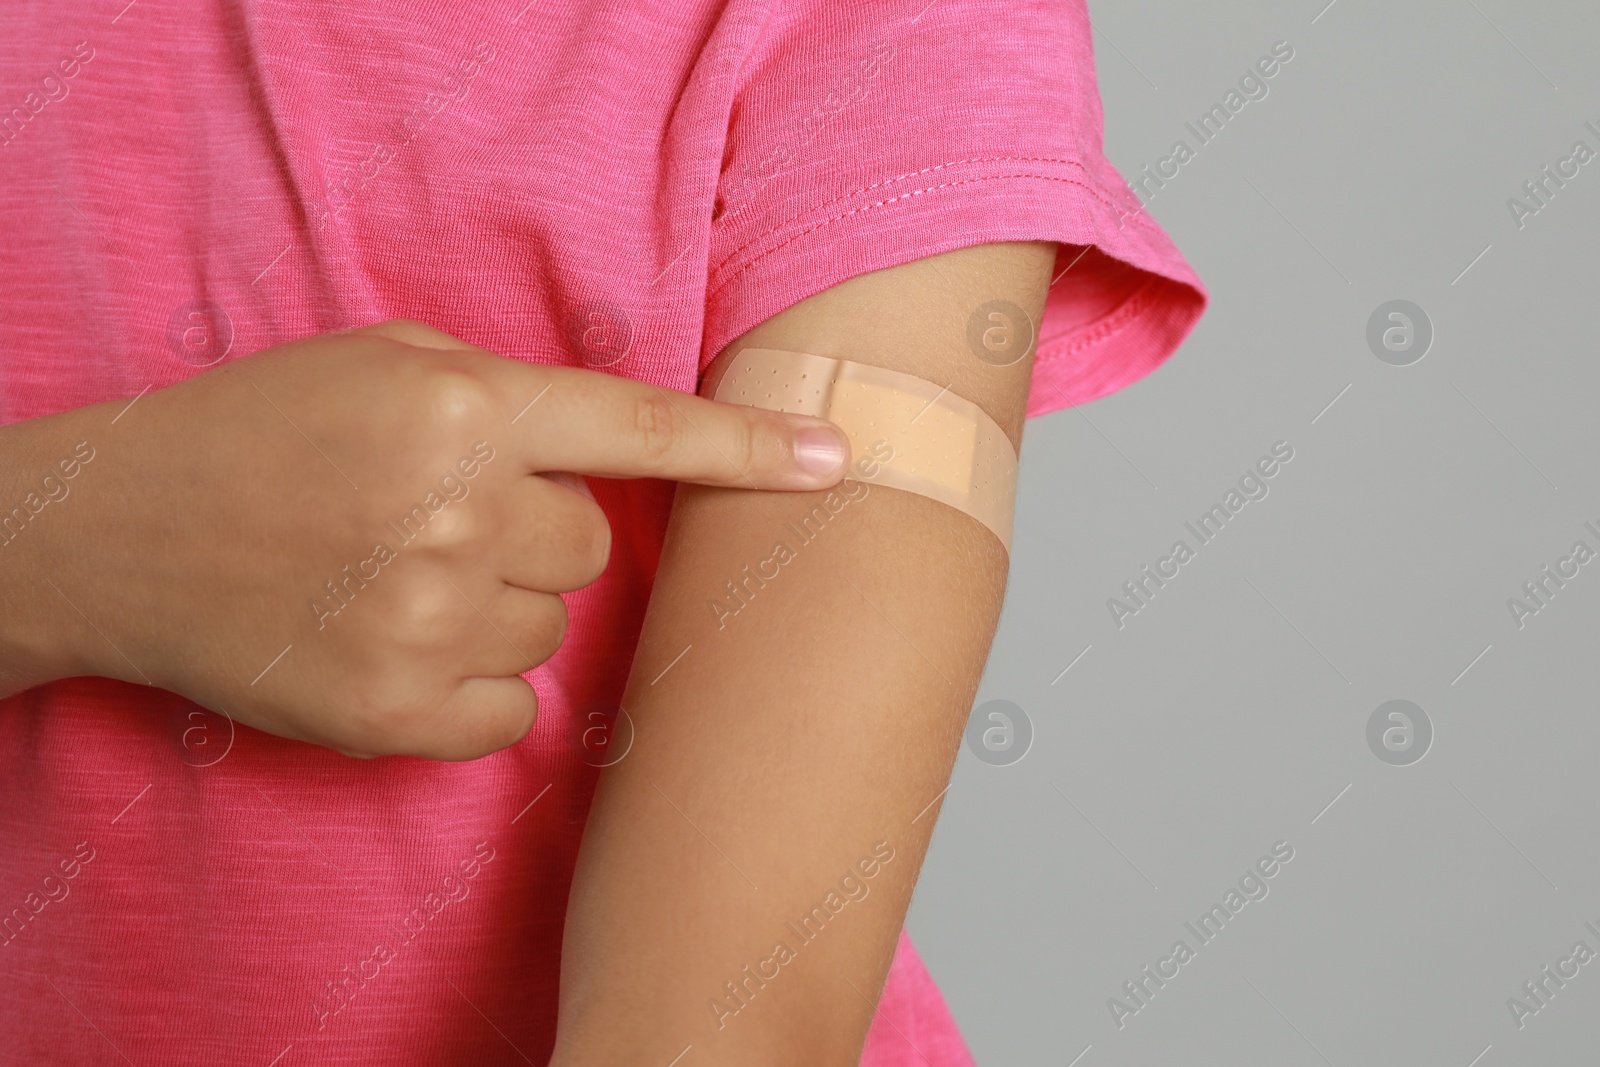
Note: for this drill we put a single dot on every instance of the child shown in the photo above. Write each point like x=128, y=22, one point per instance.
x=225, y=571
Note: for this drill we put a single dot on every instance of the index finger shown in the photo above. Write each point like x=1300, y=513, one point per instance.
x=594, y=423
x=590, y=422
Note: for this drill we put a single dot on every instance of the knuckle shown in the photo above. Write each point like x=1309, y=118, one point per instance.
x=598, y=553
x=521, y=725
x=414, y=332
x=555, y=627
x=502, y=726
x=545, y=629
x=587, y=547
x=455, y=399
x=752, y=437
x=394, y=337
x=387, y=719
x=450, y=527
x=375, y=349
x=657, y=429
x=420, y=615
x=401, y=327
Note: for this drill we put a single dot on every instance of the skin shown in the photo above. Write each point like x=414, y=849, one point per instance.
x=792, y=738
x=809, y=737
x=187, y=552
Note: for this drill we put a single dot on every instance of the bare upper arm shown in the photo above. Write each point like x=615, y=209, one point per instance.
x=798, y=695
x=916, y=318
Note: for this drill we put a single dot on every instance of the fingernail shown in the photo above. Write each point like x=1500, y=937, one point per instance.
x=820, y=451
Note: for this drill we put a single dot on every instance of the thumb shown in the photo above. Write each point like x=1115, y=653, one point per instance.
x=571, y=481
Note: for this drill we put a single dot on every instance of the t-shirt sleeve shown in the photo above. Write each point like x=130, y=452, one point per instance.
x=860, y=140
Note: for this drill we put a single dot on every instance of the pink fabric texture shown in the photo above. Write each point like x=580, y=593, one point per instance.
x=623, y=186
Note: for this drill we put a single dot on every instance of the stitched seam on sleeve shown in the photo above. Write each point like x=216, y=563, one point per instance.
x=1136, y=304
x=1094, y=187
x=1054, y=351
x=867, y=207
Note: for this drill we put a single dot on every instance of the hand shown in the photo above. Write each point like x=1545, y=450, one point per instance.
x=356, y=539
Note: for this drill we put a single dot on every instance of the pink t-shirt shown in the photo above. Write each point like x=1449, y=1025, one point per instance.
x=565, y=182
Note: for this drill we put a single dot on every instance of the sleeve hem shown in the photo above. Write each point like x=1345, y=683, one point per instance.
x=1145, y=296
x=1084, y=180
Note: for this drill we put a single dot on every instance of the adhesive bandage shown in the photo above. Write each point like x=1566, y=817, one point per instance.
x=945, y=447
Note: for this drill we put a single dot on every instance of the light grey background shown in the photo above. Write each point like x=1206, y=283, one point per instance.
x=1232, y=710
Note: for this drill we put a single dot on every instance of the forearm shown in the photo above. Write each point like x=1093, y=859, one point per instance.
x=791, y=738
x=46, y=464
